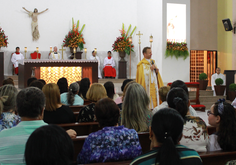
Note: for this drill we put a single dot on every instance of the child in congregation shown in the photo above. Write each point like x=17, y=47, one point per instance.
x=222, y=116
x=165, y=133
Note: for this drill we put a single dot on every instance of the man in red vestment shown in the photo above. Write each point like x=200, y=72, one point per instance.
x=109, y=64
x=15, y=58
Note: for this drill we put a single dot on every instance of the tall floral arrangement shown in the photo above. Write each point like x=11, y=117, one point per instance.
x=122, y=42
x=74, y=38
x=3, y=38
x=177, y=49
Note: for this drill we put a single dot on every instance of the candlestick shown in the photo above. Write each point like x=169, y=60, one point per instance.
x=25, y=51
x=85, y=51
x=50, y=49
x=151, y=40
x=37, y=50
x=74, y=50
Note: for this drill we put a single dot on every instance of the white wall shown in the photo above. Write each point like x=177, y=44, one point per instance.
x=175, y=69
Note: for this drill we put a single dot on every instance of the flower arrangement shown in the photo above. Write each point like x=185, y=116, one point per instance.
x=3, y=38
x=122, y=42
x=74, y=38
x=177, y=49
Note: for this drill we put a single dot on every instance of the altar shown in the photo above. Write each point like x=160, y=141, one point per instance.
x=52, y=70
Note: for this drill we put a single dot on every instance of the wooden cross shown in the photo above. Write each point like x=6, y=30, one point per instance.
x=62, y=52
x=139, y=34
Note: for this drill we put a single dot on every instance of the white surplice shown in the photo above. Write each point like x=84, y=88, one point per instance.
x=55, y=56
x=16, y=58
x=109, y=61
x=98, y=59
x=213, y=78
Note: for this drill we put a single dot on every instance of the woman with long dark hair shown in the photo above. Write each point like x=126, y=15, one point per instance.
x=84, y=86
x=165, y=134
x=110, y=88
x=222, y=116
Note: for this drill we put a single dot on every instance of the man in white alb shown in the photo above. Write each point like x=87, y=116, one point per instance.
x=95, y=57
x=55, y=55
x=16, y=57
x=216, y=76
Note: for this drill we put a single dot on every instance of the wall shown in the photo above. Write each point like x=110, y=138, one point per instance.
x=174, y=69
x=224, y=38
x=234, y=38
x=203, y=29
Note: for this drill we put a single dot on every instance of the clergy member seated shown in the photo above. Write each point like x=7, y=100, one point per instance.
x=55, y=55
x=109, y=64
x=216, y=76
x=15, y=59
x=95, y=57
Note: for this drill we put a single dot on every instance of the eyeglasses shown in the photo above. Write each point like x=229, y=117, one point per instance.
x=209, y=113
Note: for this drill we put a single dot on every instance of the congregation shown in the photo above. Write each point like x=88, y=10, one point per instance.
x=28, y=118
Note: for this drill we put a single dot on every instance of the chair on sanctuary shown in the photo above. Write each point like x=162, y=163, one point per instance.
x=197, y=105
x=35, y=55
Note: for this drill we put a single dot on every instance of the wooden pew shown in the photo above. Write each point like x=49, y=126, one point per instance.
x=76, y=108
x=82, y=128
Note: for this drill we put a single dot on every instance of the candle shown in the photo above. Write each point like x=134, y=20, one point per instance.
x=50, y=48
x=130, y=39
x=85, y=50
x=151, y=38
x=37, y=49
x=74, y=50
x=25, y=49
x=95, y=49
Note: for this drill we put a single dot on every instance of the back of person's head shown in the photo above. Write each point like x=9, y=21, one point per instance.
x=163, y=91
x=30, y=102
x=135, y=108
x=37, y=84
x=96, y=92
x=126, y=87
x=73, y=90
x=167, y=126
x=8, y=95
x=177, y=99
x=63, y=85
x=84, y=86
x=107, y=112
x=49, y=145
x=180, y=84
x=8, y=81
x=52, y=94
x=42, y=81
x=227, y=125
x=124, y=84
x=110, y=88
x=30, y=80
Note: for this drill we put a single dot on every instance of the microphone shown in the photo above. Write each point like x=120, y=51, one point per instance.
x=152, y=64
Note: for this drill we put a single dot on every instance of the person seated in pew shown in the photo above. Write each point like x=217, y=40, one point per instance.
x=119, y=99
x=94, y=94
x=222, y=116
x=113, y=142
x=8, y=81
x=135, y=112
x=110, y=88
x=109, y=66
x=195, y=134
x=71, y=97
x=163, y=91
x=8, y=118
x=55, y=112
x=181, y=84
x=36, y=83
x=30, y=80
x=165, y=133
x=63, y=85
x=84, y=86
x=45, y=147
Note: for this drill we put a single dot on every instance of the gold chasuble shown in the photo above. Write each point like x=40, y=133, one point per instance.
x=149, y=80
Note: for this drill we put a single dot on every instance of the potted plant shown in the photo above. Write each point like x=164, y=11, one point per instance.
x=3, y=38
x=202, y=81
x=122, y=43
x=219, y=88
x=232, y=92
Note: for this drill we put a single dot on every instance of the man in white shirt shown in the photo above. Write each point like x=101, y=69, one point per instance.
x=16, y=57
x=55, y=55
x=109, y=64
x=95, y=57
x=216, y=76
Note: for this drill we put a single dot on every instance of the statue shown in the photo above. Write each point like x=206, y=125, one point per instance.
x=34, y=24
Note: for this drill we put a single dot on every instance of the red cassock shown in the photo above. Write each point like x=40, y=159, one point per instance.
x=109, y=71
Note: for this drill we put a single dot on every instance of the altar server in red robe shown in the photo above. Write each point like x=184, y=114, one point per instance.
x=109, y=64
x=15, y=59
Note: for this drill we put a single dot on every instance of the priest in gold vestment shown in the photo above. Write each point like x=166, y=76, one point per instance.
x=149, y=77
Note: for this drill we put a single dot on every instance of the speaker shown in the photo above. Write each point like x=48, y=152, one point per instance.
x=227, y=24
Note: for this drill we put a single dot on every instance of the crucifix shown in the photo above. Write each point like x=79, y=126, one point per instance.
x=62, y=52
x=139, y=42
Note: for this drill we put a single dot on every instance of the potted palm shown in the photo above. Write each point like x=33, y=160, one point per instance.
x=219, y=88
x=202, y=81
x=232, y=91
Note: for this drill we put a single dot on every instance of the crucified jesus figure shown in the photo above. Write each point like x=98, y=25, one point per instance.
x=34, y=23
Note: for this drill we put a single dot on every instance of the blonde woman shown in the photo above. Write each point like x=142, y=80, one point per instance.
x=55, y=112
x=94, y=94
x=135, y=112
